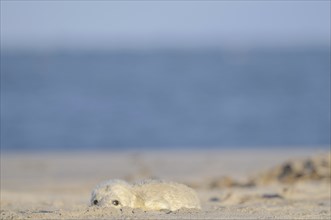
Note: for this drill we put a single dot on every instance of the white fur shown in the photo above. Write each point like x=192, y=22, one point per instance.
x=146, y=195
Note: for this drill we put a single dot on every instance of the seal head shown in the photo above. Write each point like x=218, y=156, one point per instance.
x=113, y=193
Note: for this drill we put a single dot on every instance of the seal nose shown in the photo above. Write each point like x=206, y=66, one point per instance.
x=95, y=202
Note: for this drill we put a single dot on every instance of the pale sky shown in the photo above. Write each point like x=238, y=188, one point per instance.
x=103, y=24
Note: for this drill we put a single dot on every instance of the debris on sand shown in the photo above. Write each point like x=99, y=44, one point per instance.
x=314, y=168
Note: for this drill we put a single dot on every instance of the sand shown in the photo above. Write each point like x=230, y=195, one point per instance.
x=231, y=184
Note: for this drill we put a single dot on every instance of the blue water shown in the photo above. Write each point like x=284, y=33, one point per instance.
x=165, y=99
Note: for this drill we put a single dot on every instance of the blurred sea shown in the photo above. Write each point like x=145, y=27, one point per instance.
x=165, y=98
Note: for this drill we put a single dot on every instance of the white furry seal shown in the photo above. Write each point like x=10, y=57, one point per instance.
x=146, y=195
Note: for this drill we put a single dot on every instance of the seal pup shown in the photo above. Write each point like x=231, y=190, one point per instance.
x=145, y=195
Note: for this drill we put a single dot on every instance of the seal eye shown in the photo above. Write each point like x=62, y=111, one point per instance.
x=95, y=202
x=115, y=202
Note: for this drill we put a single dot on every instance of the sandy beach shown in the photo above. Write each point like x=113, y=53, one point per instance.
x=231, y=184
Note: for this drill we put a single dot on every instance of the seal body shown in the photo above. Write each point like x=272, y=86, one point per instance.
x=146, y=195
